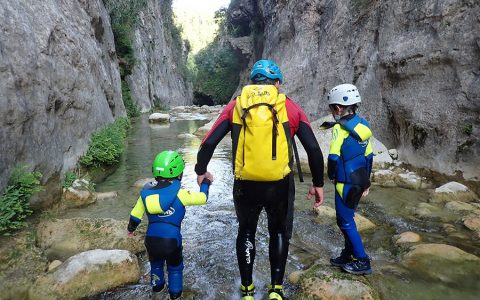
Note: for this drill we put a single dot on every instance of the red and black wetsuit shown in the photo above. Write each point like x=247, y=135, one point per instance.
x=277, y=197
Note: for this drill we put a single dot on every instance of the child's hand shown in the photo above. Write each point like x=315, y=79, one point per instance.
x=318, y=193
x=365, y=192
x=130, y=234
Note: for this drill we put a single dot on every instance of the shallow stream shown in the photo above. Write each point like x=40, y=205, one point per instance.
x=209, y=231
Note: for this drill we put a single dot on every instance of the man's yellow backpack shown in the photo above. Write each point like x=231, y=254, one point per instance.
x=262, y=152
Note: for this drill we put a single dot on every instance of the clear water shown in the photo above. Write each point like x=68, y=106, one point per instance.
x=209, y=231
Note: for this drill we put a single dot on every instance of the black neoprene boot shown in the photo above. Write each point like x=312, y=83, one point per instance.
x=344, y=258
x=358, y=266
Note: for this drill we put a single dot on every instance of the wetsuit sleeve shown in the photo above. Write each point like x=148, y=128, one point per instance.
x=334, y=154
x=194, y=198
x=136, y=215
x=302, y=128
x=369, y=157
x=221, y=127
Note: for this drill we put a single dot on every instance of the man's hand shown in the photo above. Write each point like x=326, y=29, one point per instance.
x=318, y=193
x=207, y=175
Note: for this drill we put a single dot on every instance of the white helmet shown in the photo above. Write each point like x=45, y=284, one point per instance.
x=344, y=94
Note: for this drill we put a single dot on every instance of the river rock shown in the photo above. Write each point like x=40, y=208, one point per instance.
x=458, y=207
x=335, y=289
x=327, y=213
x=142, y=182
x=86, y=274
x=186, y=136
x=107, y=195
x=294, y=277
x=443, y=262
x=406, y=237
x=159, y=118
x=385, y=178
x=202, y=131
x=53, y=265
x=472, y=223
x=393, y=153
x=453, y=191
x=78, y=195
x=62, y=238
x=425, y=210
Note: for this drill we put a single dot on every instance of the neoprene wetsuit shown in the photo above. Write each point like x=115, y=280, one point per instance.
x=277, y=197
x=164, y=204
x=349, y=165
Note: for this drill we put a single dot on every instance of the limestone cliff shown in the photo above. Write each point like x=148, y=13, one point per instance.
x=156, y=78
x=59, y=81
x=416, y=63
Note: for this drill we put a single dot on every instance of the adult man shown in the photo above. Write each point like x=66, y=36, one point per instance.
x=263, y=123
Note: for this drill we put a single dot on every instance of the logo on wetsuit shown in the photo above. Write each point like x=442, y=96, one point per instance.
x=168, y=213
x=249, y=246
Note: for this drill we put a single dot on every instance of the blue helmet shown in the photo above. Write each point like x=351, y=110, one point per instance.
x=264, y=69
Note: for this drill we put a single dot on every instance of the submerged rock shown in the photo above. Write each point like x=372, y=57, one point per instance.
x=443, y=262
x=106, y=195
x=62, y=238
x=159, y=118
x=86, y=274
x=202, y=131
x=472, y=223
x=294, y=277
x=53, y=265
x=453, y=191
x=457, y=206
x=326, y=213
x=186, y=136
x=406, y=237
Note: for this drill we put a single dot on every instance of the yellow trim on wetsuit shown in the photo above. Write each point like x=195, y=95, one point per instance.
x=339, y=187
x=153, y=204
x=369, y=149
x=191, y=198
x=338, y=136
x=139, y=209
x=363, y=131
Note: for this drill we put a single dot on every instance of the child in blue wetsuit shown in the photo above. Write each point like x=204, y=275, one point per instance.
x=349, y=167
x=164, y=203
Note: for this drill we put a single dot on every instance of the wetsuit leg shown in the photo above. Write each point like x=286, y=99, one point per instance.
x=161, y=250
x=248, y=205
x=277, y=208
x=346, y=223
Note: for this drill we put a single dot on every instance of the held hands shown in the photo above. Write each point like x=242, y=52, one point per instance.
x=318, y=193
x=207, y=175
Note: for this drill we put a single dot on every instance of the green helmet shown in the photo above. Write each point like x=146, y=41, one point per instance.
x=168, y=164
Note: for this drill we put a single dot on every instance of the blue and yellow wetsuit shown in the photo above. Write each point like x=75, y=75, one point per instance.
x=349, y=166
x=164, y=204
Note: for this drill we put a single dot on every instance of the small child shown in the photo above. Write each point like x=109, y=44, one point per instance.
x=349, y=166
x=164, y=203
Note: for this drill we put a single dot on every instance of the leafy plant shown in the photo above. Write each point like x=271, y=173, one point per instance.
x=70, y=177
x=468, y=129
x=15, y=199
x=130, y=106
x=106, y=145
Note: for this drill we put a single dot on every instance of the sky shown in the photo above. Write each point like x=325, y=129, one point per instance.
x=207, y=5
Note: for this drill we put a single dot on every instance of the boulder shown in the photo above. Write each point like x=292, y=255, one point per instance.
x=53, y=265
x=159, y=118
x=453, y=191
x=385, y=178
x=326, y=213
x=442, y=262
x=78, y=195
x=62, y=238
x=406, y=237
x=393, y=153
x=335, y=289
x=425, y=210
x=86, y=274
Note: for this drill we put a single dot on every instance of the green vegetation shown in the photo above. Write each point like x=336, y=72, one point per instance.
x=70, y=177
x=218, y=69
x=130, y=106
x=468, y=129
x=359, y=5
x=106, y=145
x=15, y=200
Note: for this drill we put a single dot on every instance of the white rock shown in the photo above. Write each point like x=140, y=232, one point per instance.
x=453, y=191
x=451, y=187
x=393, y=153
x=159, y=118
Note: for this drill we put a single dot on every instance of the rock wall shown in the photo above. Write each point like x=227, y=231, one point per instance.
x=59, y=82
x=156, y=77
x=416, y=63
